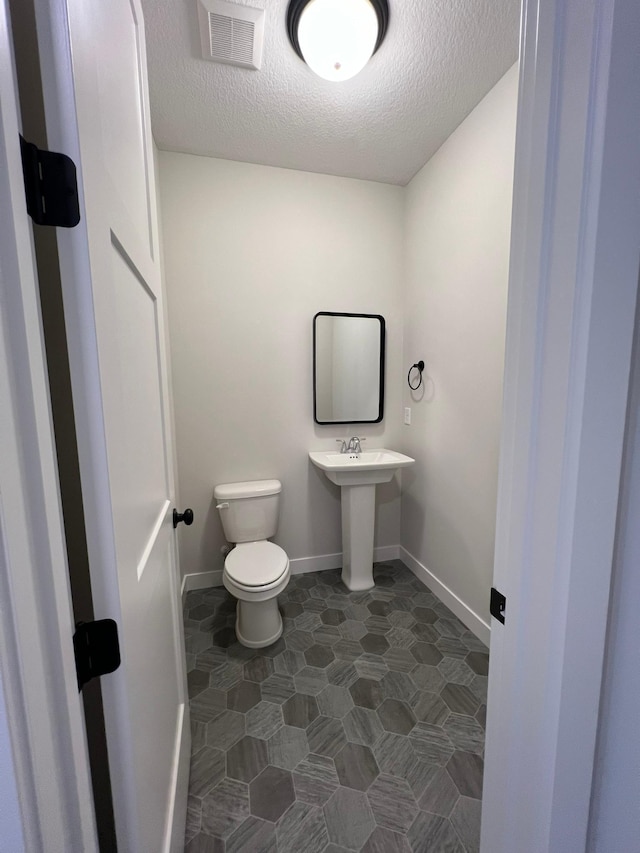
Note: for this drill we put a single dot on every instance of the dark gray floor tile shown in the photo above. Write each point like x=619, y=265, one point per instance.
x=398, y=685
x=452, y=647
x=287, y=747
x=402, y=619
x=198, y=735
x=367, y=692
x=349, y=650
x=466, y=770
x=429, y=708
x=211, y=659
x=333, y=616
x=362, y=726
x=227, y=728
x=253, y=836
x=342, y=673
x=258, y=669
x=300, y=710
x=225, y=807
x=432, y=834
x=460, y=699
x=243, y=696
x=194, y=817
x=334, y=701
x=327, y=635
x=419, y=775
x=394, y=754
x=426, y=653
x=290, y=609
x=326, y=736
x=425, y=614
x=311, y=680
x=356, y=766
x=396, y=716
x=392, y=803
x=319, y=655
x=399, y=659
x=352, y=629
x=371, y=666
x=302, y=827
x=197, y=681
x=278, y=688
x=299, y=640
x=440, y=795
x=271, y=793
x=349, y=818
x=315, y=779
x=449, y=627
x=425, y=633
x=205, y=844
x=264, y=720
x=431, y=743
x=465, y=733
x=207, y=705
x=308, y=622
x=274, y=649
x=479, y=687
x=288, y=662
x=247, y=759
x=207, y=770
x=226, y=675
x=428, y=678
x=465, y=819
x=383, y=840
x=375, y=644
x=456, y=671
x=481, y=716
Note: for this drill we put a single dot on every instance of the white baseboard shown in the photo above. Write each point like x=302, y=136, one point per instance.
x=466, y=615
x=299, y=566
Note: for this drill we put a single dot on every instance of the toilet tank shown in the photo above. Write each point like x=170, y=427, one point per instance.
x=249, y=511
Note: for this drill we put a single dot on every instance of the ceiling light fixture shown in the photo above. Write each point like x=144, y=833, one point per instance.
x=336, y=38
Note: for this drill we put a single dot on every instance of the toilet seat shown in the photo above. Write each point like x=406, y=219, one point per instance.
x=256, y=565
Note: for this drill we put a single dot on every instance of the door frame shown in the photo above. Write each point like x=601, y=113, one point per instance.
x=572, y=293
x=562, y=443
x=44, y=714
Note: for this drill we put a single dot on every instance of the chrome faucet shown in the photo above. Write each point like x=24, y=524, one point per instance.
x=354, y=445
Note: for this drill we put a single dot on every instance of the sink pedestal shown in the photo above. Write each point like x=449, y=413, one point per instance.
x=357, y=475
x=358, y=519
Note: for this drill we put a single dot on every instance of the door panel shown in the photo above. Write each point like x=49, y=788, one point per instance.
x=112, y=290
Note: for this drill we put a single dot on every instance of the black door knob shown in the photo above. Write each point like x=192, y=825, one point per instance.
x=186, y=516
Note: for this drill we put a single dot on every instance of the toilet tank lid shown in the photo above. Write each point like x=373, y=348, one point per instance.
x=250, y=489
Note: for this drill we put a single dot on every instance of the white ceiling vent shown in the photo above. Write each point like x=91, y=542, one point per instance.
x=230, y=33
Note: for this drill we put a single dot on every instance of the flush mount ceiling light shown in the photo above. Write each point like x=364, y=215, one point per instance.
x=336, y=38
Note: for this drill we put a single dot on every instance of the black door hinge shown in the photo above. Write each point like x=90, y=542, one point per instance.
x=498, y=605
x=50, y=186
x=97, y=649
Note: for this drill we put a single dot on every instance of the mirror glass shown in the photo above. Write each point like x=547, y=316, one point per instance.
x=348, y=368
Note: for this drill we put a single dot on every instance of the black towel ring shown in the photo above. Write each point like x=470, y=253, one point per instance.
x=419, y=366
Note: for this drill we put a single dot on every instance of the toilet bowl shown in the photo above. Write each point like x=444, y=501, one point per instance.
x=256, y=571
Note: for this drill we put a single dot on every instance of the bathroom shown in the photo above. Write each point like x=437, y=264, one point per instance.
x=251, y=253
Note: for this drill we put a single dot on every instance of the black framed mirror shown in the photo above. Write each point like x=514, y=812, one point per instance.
x=348, y=368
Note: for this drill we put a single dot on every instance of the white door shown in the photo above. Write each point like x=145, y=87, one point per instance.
x=96, y=102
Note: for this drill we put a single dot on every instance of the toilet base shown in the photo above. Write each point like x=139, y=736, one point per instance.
x=258, y=623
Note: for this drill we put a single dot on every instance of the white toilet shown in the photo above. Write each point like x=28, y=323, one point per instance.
x=256, y=571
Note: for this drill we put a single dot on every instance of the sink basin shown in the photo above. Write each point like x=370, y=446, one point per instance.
x=366, y=468
x=358, y=474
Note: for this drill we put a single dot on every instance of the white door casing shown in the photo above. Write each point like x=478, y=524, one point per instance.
x=572, y=294
x=45, y=768
x=96, y=104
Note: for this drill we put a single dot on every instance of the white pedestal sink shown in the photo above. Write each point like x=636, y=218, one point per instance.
x=357, y=474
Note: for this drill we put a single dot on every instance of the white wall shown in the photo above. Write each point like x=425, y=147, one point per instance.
x=457, y=230
x=251, y=254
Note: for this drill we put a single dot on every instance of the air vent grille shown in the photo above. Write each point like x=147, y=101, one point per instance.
x=230, y=33
x=231, y=39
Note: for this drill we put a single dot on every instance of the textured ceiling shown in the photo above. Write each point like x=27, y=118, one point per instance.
x=438, y=60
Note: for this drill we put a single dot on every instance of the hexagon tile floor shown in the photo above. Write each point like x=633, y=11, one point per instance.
x=361, y=729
